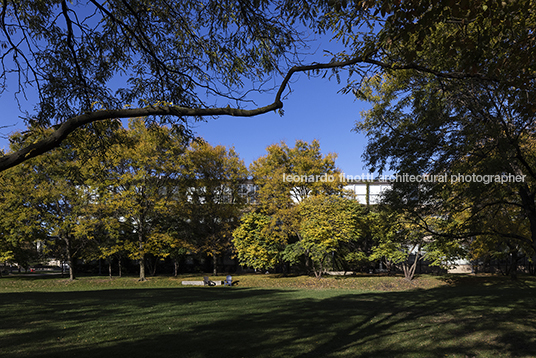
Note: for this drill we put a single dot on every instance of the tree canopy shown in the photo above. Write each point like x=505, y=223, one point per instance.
x=327, y=222
x=171, y=60
x=300, y=211
x=212, y=204
x=456, y=103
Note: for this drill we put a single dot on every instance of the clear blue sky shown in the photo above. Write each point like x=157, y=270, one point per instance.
x=314, y=110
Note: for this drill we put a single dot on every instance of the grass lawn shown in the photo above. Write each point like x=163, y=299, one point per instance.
x=268, y=316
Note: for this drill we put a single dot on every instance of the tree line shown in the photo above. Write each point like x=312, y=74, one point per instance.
x=153, y=194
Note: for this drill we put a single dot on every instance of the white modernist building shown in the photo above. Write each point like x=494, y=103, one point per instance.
x=368, y=192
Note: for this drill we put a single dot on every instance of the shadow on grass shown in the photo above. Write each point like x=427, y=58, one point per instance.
x=240, y=322
x=488, y=280
x=34, y=276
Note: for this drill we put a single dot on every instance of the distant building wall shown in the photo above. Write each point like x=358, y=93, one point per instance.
x=368, y=192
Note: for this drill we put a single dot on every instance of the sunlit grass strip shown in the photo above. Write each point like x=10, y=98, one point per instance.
x=361, y=283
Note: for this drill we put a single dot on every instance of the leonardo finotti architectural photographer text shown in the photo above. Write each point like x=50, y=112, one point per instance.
x=407, y=178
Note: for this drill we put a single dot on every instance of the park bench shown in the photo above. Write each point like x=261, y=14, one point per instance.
x=206, y=282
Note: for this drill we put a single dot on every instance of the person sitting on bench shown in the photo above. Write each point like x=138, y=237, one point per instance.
x=207, y=281
x=228, y=280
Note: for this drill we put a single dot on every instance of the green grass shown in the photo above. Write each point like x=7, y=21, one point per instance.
x=269, y=316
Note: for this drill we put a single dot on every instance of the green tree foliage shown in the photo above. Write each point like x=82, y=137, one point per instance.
x=139, y=192
x=397, y=242
x=213, y=204
x=19, y=229
x=62, y=203
x=327, y=222
x=504, y=234
x=149, y=196
x=482, y=40
x=300, y=171
x=46, y=207
x=401, y=243
x=470, y=138
x=286, y=176
x=254, y=247
x=299, y=190
x=107, y=228
x=450, y=85
x=163, y=54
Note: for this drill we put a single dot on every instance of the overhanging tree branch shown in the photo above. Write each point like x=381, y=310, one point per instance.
x=72, y=124
x=440, y=74
x=69, y=126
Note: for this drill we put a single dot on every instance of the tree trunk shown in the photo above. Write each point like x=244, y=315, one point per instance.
x=110, y=268
x=308, y=263
x=153, y=271
x=389, y=265
x=215, y=262
x=175, y=267
x=142, y=254
x=529, y=206
x=321, y=268
x=149, y=266
x=119, y=264
x=70, y=259
x=409, y=271
x=71, y=273
x=285, y=267
x=142, y=269
x=532, y=266
x=513, y=266
x=317, y=272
